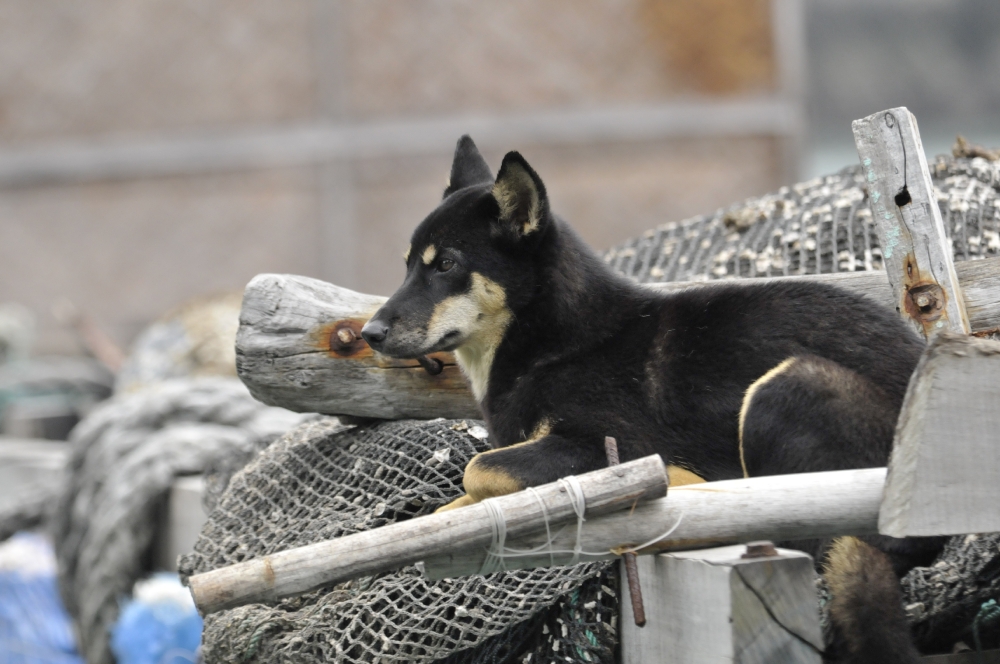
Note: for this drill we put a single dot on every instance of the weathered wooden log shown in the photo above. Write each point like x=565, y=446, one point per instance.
x=715, y=605
x=300, y=347
x=916, y=250
x=306, y=568
x=944, y=475
x=783, y=507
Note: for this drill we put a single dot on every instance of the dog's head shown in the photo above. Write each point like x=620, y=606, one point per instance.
x=470, y=262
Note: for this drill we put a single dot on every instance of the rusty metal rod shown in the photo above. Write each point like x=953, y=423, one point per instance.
x=631, y=562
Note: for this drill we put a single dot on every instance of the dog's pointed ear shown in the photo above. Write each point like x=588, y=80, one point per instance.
x=520, y=195
x=468, y=167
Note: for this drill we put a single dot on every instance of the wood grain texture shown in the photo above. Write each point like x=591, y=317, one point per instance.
x=299, y=570
x=712, y=606
x=783, y=507
x=287, y=356
x=944, y=474
x=916, y=251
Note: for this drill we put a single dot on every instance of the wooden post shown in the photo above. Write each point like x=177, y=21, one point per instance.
x=915, y=249
x=293, y=572
x=944, y=475
x=299, y=346
x=180, y=521
x=295, y=347
x=783, y=507
x=714, y=606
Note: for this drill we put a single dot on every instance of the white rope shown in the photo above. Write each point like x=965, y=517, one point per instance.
x=579, y=503
x=497, y=551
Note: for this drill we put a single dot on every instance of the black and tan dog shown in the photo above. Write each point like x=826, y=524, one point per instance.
x=720, y=381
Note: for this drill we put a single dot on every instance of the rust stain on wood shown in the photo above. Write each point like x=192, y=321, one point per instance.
x=342, y=339
x=924, y=300
x=268, y=572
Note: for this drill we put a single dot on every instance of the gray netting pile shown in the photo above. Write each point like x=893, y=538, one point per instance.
x=943, y=600
x=317, y=483
x=125, y=457
x=820, y=226
x=320, y=482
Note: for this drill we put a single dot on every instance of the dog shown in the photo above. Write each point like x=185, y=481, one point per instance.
x=722, y=381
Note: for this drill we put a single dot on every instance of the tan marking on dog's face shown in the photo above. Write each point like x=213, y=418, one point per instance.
x=751, y=391
x=406, y=256
x=480, y=316
x=507, y=191
x=430, y=253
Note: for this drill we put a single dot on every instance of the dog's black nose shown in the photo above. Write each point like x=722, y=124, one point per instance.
x=374, y=332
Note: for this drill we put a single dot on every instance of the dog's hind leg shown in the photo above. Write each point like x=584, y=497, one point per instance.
x=810, y=414
x=866, y=617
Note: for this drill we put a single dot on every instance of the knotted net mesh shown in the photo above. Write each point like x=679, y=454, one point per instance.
x=320, y=481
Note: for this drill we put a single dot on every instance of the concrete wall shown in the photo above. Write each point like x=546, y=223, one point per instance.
x=155, y=151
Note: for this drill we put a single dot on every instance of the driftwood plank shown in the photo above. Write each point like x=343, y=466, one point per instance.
x=917, y=253
x=783, y=507
x=713, y=606
x=944, y=475
x=290, y=354
x=293, y=572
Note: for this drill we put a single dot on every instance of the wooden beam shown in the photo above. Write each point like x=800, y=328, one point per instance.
x=713, y=606
x=916, y=251
x=288, y=354
x=784, y=507
x=944, y=475
x=293, y=572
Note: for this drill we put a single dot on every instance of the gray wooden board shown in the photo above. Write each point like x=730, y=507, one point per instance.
x=944, y=474
x=712, y=606
x=915, y=248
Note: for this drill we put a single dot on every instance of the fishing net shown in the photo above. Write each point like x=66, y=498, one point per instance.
x=319, y=482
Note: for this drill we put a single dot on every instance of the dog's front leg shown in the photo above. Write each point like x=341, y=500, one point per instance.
x=510, y=469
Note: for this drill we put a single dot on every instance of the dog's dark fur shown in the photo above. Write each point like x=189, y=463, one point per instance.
x=722, y=381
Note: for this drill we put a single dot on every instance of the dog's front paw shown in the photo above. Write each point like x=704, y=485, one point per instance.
x=458, y=502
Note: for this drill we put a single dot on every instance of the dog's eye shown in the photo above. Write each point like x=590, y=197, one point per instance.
x=445, y=264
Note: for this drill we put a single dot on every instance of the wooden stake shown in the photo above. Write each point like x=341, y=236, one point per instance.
x=915, y=248
x=296, y=571
x=628, y=558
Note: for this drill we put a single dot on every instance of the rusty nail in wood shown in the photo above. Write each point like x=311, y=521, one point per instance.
x=631, y=560
x=431, y=365
x=923, y=300
x=346, y=336
x=762, y=549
